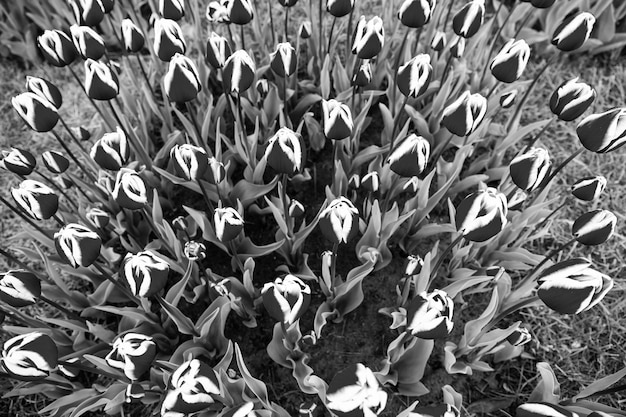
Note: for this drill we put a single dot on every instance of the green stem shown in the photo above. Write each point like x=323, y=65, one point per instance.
x=496, y=37
x=538, y=135
x=139, y=148
x=433, y=271
x=62, y=309
x=333, y=266
x=207, y=200
x=330, y=35
x=74, y=139
x=243, y=37
x=23, y=216
x=287, y=24
x=269, y=7
x=145, y=75
x=74, y=158
x=283, y=198
x=194, y=120
x=104, y=274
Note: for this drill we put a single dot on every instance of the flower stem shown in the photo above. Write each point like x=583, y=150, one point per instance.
x=538, y=135
x=440, y=259
x=71, y=154
x=23, y=216
x=496, y=37
x=333, y=266
x=106, y=275
x=62, y=309
x=287, y=24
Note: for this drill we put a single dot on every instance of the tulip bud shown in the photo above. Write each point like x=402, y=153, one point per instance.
x=511, y=61
x=228, y=224
x=57, y=48
x=414, y=77
x=77, y=245
x=191, y=389
x=180, y=223
x=286, y=299
x=239, y=72
x=168, y=39
x=354, y=182
x=263, y=88
x=519, y=337
x=469, y=19
x=410, y=157
x=438, y=41
x=369, y=38
x=217, y=12
x=38, y=200
x=29, y=356
x=172, y=9
x=338, y=122
x=482, y=215
x=283, y=61
x=44, y=89
x=112, y=151
x=363, y=76
x=55, y=162
x=589, y=188
x=88, y=12
x=541, y=409
x=508, y=99
x=339, y=221
x=604, y=132
x=572, y=33
x=100, y=82
x=98, y=217
x=195, y=251
x=517, y=200
x=19, y=288
x=308, y=409
x=457, y=47
x=594, y=227
x=37, y=112
x=88, y=42
x=240, y=12
x=287, y=3
x=414, y=265
x=132, y=353
x=145, y=273
x=429, y=316
x=355, y=392
x=464, y=115
x=572, y=286
x=132, y=37
x=130, y=190
x=217, y=51
x=182, y=81
x=190, y=162
x=296, y=209
x=216, y=172
x=530, y=169
x=370, y=182
x=416, y=13
x=18, y=161
x=339, y=8
x=285, y=152
x=305, y=30
x=571, y=99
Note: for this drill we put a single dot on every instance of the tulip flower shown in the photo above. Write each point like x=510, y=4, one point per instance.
x=572, y=33
x=414, y=77
x=112, y=151
x=508, y=99
x=338, y=122
x=414, y=265
x=481, y=215
x=239, y=72
x=589, y=188
x=190, y=162
x=441, y=410
x=194, y=251
x=510, y=63
x=37, y=199
x=216, y=171
x=519, y=337
x=369, y=38
x=182, y=81
x=217, y=12
x=540, y=4
x=88, y=42
x=283, y=61
x=286, y=299
x=262, y=87
x=541, y=409
x=130, y=190
x=604, y=132
x=240, y=12
x=464, y=115
x=100, y=82
x=339, y=8
x=132, y=37
x=594, y=227
x=363, y=76
x=88, y=12
x=287, y=3
x=457, y=47
x=132, y=353
x=29, y=356
x=285, y=152
x=296, y=209
x=145, y=273
x=469, y=19
x=57, y=48
x=55, y=162
x=571, y=99
x=172, y=9
x=371, y=182
x=530, y=169
x=416, y=13
x=305, y=30
x=339, y=221
x=77, y=245
x=410, y=157
x=19, y=288
x=217, y=51
x=228, y=223
x=355, y=392
x=18, y=161
x=168, y=39
x=438, y=41
x=44, y=89
x=429, y=316
x=354, y=182
x=37, y=112
x=98, y=217
x=191, y=389
x=572, y=286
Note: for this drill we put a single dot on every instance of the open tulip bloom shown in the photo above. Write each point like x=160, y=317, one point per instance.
x=37, y=112
x=239, y=72
x=44, y=89
x=77, y=245
x=133, y=353
x=464, y=115
x=182, y=81
x=191, y=389
x=112, y=151
x=29, y=356
x=286, y=299
x=571, y=99
x=410, y=157
x=340, y=220
x=168, y=39
x=603, y=132
x=355, y=392
x=145, y=272
x=482, y=215
x=429, y=316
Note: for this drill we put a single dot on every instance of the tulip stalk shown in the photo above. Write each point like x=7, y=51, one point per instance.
x=321, y=23
x=145, y=75
x=287, y=24
x=396, y=67
x=194, y=120
x=106, y=275
x=74, y=139
x=205, y=194
x=155, y=229
x=232, y=248
x=283, y=197
x=446, y=251
x=62, y=309
x=496, y=37
x=21, y=264
x=93, y=103
x=538, y=135
x=139, y=148
x=23, y=216
x=74, y=158
x=330, y=35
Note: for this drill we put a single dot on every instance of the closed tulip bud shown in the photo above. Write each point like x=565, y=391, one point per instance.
x=217, y=12
x=519, y=337
x=217, y=50
x=363, y=76
x=240, y=12
x=132, y=37
x=355, y=392
x=354, y=182
x=38, y=200
x=88, y=42
x=283, y=60
x=508, y=99
x=482, y=215
x=441, y=410
x=98, y=217
x=414, y=77
x=112, y=151
x=414, y=265
x=517, y=200
x=469, y=19
x=530, y=169
x=296, y=209
x=134, y=393
x=589, y=188
x=305, y=30
x=88, y=12
x=572, y=286
x=37, y=112
x=191, y=389
x=228, y=223
x=77, y=245
x=339, y=221
x=145, y=273
x=457, y=47
x=55, y=162
x=571, y=99
x=511, y=61
x=287, y=3
x=541, y=409
x=19, y=288
x=410, y=157
x=182, y=81
x=180, y=223
x=190, y=162
x=594, y=227
x=285, y=152
x=369, y=38
x=438, y=41
x=195, y=251
x=18, y=161
x=604, y=132
x=338, y=122
x=29, y=356
x=239, y=72
x=168, y=39
x=572, y=33
x=286, y=299
x=416, y=13
x=130, y=190
x=216, y=172
x=44, y=89
x=132, y=353
x=100, y=82
x=429, y=316
x=172, y=9
x=371, y=182
x=57, y=48
x=262, y=87
x=339, y=8
x=464, y=115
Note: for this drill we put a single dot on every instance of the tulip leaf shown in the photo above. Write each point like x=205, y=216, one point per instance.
x=183, y=323
x=67, y=402
x=176, y=292
x=278, y=215
x=600, y=385
x=256, y=386
x=548, y=389
x=474, y=327
x=66, y=324
x=134, y=313
x=325, y=78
